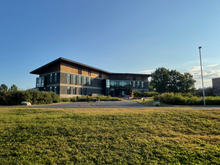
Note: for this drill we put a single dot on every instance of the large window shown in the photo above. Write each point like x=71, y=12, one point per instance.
x=68, y=78
x=134, y=84
x=51, y=88
x=80, y=80
x=40, y=82
x=74, y=79
x=138, y=84
x=117, y=83
x=89, y=80
x=68, y=90
x=84, y=80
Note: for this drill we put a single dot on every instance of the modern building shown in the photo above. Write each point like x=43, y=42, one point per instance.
x=216, y=86
x=68, y=78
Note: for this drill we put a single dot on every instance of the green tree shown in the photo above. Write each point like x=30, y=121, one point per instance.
x=160, y=79
x=3, y=87
x=188, y=83
x=14, y=88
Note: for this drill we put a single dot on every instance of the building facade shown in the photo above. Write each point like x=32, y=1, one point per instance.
x=216, y=86
x=68, y=78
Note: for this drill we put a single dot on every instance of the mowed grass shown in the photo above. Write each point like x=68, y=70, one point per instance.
x=109, y=136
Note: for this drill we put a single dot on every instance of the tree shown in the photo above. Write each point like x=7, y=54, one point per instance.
x=172, y=81
x=14, y=88
x=160, y=79
x=3, y=87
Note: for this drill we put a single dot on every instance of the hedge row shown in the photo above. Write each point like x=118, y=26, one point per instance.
x=144, y=94
x=90, y=98
x=32, y=96
x=41, y=97
x=183, y=99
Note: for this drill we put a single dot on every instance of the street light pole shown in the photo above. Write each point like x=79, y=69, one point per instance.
x=202, y=74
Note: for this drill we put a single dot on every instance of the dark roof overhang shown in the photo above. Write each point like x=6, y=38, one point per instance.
x=41, y=69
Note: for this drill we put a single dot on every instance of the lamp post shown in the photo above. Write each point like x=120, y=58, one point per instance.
x=202, y=74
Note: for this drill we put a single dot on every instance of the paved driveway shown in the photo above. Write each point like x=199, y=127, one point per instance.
x=103, y=104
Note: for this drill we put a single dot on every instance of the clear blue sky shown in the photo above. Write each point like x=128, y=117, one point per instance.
x=113, y=35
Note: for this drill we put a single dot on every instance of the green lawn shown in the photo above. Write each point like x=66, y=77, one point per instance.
x=109, y=136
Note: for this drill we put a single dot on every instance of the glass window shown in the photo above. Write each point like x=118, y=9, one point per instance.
x=134, y=84
x=112, y=82
x=142, y=84
x=42, y=81
x=74, y=79
x=84, y=80
x=55, y=77
x=68, y=90
x=74, y=90
x=50, y=88
x=51, y=77
x=107, y=83
x=117, y=83
x=68, y=78
x=80, y=79
x=89, y=80
x=55, y=89
x=128, y=82
x=138, y=84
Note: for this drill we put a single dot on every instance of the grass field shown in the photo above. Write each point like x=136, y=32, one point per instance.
x=109, y=136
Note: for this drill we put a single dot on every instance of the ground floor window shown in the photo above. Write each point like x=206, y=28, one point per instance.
x=68, y=90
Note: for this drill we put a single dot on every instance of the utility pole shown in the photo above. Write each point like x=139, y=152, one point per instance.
x=202, y=74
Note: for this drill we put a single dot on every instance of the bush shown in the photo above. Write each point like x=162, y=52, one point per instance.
x=186, y=99
x=65, y=99
x=32, y=96
x=144, y=94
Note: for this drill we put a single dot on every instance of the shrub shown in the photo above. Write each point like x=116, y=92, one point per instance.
x=65, y=99
x=185, y=99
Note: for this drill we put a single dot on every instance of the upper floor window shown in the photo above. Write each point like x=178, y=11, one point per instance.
x=80, y=71
x=51, y=77
x=40, y=82
x=107, y=83
x=138, y=84
x=68, y=90
x=74, y=79
x=51, y=89
x=134, y=77
x=68, y=78
x=80, y=80
x=55, y=77
x=142, y=84
x=89, y=80
x=89, y=73
x=133, y=84
x=84, y=80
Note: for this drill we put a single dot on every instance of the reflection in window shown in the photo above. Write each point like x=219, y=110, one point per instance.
x=55, y=77
x=68, y=90
x=117, y=83
x=51, y=89
x=51, y=77
x=80, y=80
x=84, y=80
x=107, y=83
x=68, y=78
x=55, y=89
x=112, y=82
x=74, y=79
x=142, y=84
x=138, y=84
x=74, y=90
x=134, y=84
x=89, y=80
